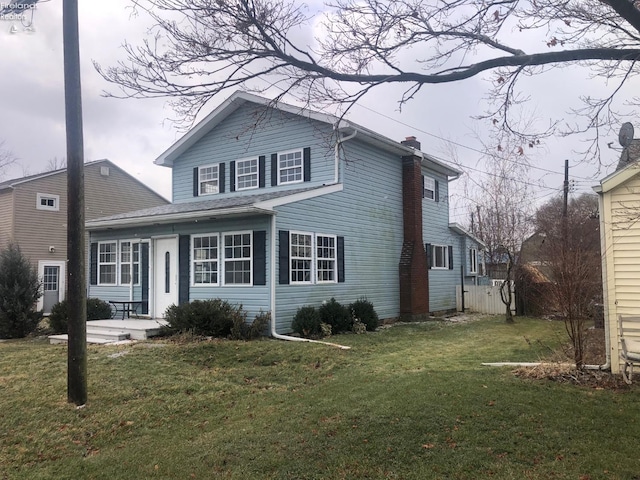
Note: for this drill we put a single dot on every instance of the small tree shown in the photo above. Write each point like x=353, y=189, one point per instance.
x=19, y=292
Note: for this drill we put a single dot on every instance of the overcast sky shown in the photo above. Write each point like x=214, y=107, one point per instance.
x=132, y=133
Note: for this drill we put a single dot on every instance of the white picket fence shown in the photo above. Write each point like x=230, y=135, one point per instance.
x=482, y=299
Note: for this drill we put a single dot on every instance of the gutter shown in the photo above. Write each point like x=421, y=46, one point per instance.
x=340, y=140
x=272, y=292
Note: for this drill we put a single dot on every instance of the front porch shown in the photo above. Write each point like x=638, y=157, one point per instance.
x=112, y=331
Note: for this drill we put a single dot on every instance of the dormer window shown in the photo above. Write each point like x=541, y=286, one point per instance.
x=290, y=167
x=208, y=180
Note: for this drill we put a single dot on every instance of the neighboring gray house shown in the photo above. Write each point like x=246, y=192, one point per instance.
x=276, y=207
x=33, y=214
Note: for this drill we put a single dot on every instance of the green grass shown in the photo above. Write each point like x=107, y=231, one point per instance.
x=408, y=402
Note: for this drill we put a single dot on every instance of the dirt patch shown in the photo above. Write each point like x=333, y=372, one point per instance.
x=558, y=366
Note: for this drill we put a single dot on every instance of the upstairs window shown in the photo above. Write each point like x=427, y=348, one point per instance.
x=48, y=202
x=208, y=180
x=429, y=188
x=247, y=174
x=290, y=167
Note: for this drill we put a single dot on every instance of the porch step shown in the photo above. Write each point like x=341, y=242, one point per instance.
x=111, y=331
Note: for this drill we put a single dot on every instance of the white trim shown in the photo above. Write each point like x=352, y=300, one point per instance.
x=311, y=280
x=426, y=179
x=334, y=259
x=287, y=152
x=297, y=197
x=446, y=256
x=257, y=174
x=217, y=179
x=132, y=242
x=62, y=280
x=192, y=260
x=473, y=261
x=48, y=196
x=233, y=259
x=104, y=242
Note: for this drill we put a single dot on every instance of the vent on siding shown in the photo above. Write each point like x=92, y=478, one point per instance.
x=104, y=171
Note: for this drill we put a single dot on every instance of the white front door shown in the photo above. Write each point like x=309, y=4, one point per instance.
x=53, y=277
x=165, y=267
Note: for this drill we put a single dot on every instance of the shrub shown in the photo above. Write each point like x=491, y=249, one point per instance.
x=336, y=315
x=306, y=322
x=59, y=317
x=243, y=331
x=214, y=317
x=363, y=310
x=19, y=292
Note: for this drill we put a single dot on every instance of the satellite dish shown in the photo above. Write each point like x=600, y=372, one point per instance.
x=626, y=134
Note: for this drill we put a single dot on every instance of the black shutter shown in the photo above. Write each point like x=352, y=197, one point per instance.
x=450, y=248
x=340, y=255
x=259, y=257
x=184, y=245
x=196, y=183
x=144, y=276
x=306, y=162
x=437, y=192
x=422, y=186
x=274, y=169
x=221, y=178
x=93, y=264
x=429, y=251
x=261, y=171
x=283, y=257
x=232, y=176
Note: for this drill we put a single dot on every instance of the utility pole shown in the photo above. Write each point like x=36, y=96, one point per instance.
x=76, y=277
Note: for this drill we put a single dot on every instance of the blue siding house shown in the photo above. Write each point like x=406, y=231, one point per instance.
x=276, y=207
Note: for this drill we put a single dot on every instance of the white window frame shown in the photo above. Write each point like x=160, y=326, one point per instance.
x=46, y=196
x=445, y=249
x=252, y=173
x=280, y=168
x=226, y=260
x=101, y=264
x=134, y=266
x=194, y=261
x=202, y=182
x=333, y=259
x=293, y=258
x=473, y=261
x=429, y=185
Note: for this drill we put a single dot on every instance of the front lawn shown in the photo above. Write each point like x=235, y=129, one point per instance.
x=407, y=402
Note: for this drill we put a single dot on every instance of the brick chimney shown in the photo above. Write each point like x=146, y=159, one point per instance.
x=414, y=276
x=411, y=142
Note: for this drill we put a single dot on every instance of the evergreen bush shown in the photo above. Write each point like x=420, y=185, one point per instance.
x=20, y=289
x=59, y=317
x=241, y=330
x=306, y=322
x=214, y=317
x=363, y=310
x=336, y=315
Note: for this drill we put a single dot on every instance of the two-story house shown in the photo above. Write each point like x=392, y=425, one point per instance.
x=276, y=207
x=33, y=214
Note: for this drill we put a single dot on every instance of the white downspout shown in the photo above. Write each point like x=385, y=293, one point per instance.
x=272, y=280
x=340, y=140
x=605, y=290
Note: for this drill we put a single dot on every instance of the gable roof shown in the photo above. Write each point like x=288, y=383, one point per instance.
x=460, y=230
x=258, y=204
x=8, y=184
x=618, y=177
x=240, y=98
